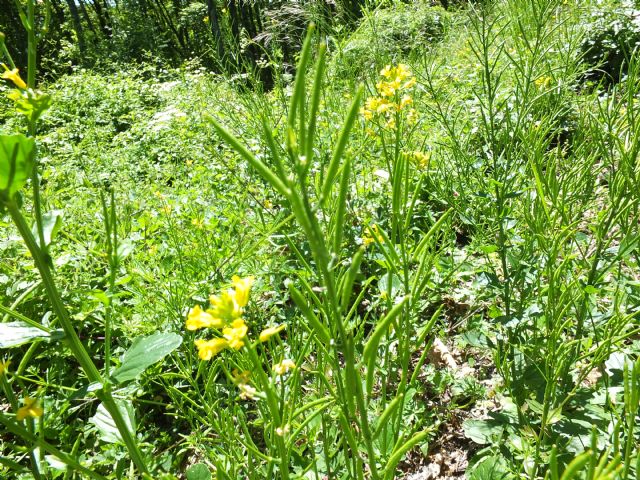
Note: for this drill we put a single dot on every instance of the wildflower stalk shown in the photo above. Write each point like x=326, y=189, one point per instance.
x=72, y=340
x=274, y=410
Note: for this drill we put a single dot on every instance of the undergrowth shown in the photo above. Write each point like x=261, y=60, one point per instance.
x=418, y=249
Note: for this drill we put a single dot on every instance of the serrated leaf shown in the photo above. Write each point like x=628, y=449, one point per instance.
x=17, y=154
x=107, y=429
x=14, y=334
x=199, y=471
x=144, y=352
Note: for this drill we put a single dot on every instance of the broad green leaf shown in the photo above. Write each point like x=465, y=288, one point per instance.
x=145, y=351
x=490, y=468
x=17, y=154
x=199, y=471
x=106, y=426
x=14, y=334
x=483, y=431
x=51, y=224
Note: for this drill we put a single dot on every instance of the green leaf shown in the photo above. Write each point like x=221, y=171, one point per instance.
x=483, y=431
x=14, y=334
x=17, y=153
x=199, y=471
x=51, y=224
x=490, y=468
x=145, y=351
x=107, y=429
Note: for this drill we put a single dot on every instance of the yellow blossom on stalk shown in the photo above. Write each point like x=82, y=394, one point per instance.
x=283, y=367
x=269, y=332
x=207, y=349
x=242, y=287
x=14, y=76
x=224, y=306
x=392, y=96
x=4, y=366
x=31, y=408
x=197, y=319
x=235, y=334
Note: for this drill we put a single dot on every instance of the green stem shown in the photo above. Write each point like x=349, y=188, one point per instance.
x=272, y=402
x=73, y=341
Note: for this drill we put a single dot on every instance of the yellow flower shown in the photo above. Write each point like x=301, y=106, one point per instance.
x=207, y=349
x=242, y=287
x=543, y=82
x=31, y=409
x=409, y=83
x=269, y=332
x=199, y=319
x=367, y=240
x=284, y=366
x=384, y=106
x=14, y=76
x=198, y=223
x=4, y=366
x=367, y=114
x=224, y=306
x=422, y=159
x=236, y=333
x=406, y=100
x=402, y=71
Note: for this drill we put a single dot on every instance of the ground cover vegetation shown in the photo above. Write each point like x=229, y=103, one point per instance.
x=401, y=242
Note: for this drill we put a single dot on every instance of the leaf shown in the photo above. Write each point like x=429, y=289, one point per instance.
x=51, y=224
x=13, y=334
x=145, y=351
x=391, y=290
x=199, y=471
x=107, y=429
x=483, y=431
x=17, y=154
x=490, y=468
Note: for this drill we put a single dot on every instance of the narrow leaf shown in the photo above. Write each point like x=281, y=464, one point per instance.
x=14, y=334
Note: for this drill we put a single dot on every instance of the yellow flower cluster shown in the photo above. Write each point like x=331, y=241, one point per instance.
x=225, y=314
x=392, y=95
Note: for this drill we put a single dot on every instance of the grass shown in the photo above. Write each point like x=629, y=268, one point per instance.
x=455, y=259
